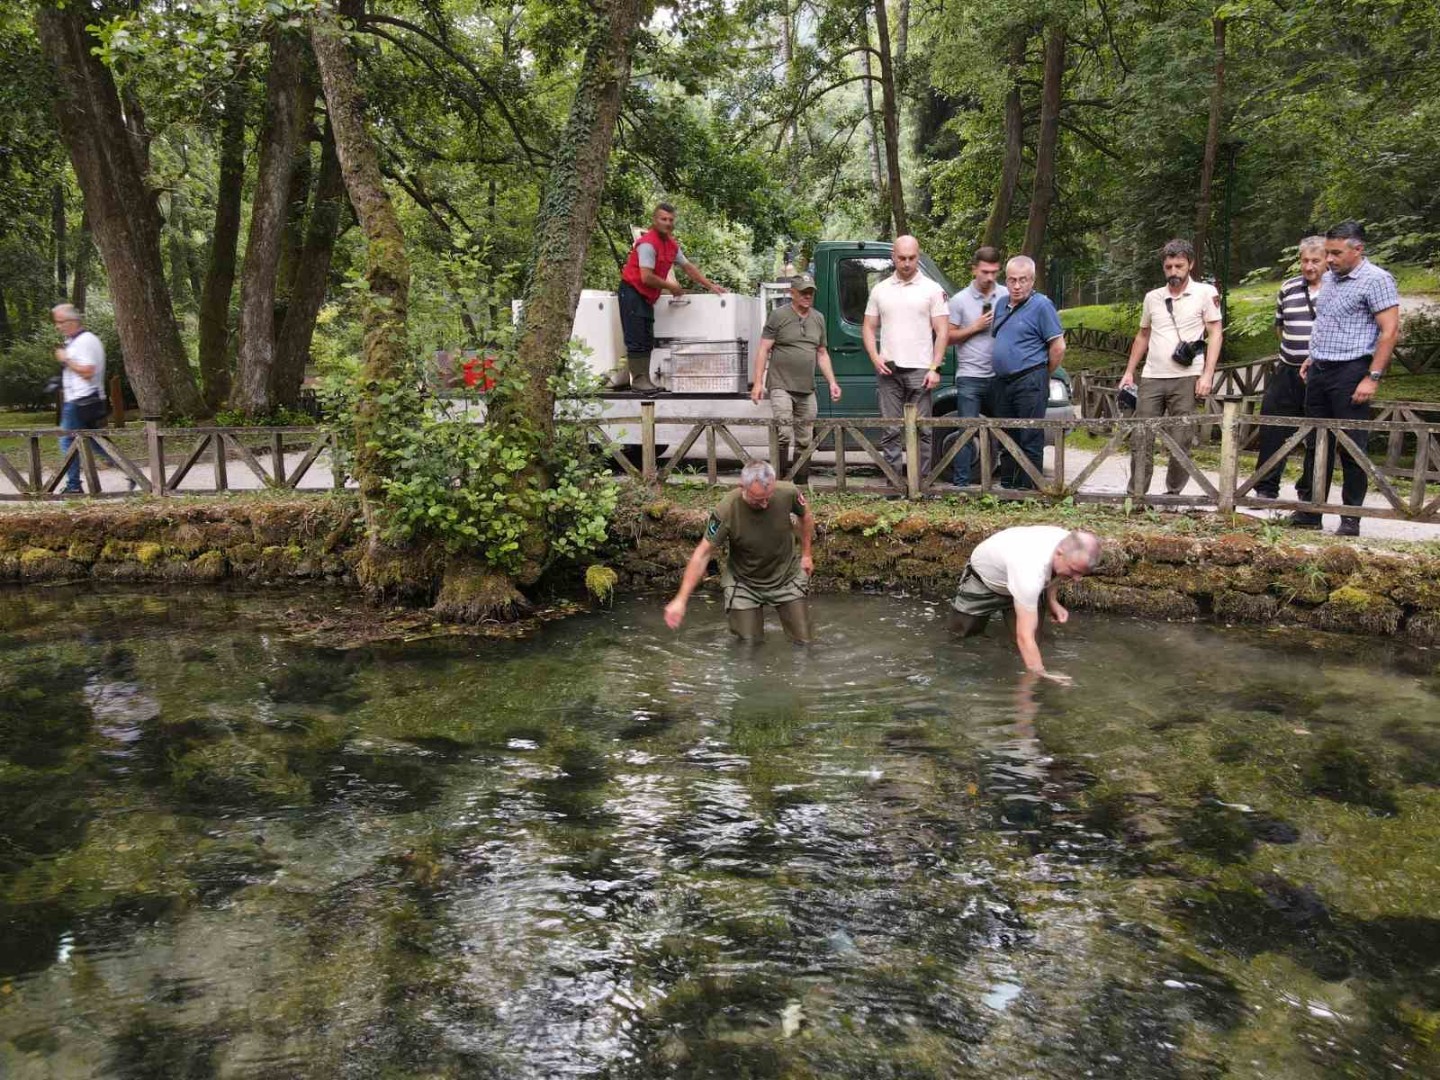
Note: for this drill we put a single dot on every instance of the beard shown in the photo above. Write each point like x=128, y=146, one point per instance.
x=1175, y=281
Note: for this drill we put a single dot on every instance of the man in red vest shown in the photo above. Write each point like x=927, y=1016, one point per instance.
x=644, y=278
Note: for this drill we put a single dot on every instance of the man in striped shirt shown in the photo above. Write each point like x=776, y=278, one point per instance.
x=1284, y=389
x=1357, y=323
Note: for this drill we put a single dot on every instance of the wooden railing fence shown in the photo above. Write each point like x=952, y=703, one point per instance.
x=849, y=447
x=35, y=476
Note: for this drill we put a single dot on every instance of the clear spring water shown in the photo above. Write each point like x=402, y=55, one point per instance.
x=611, y=851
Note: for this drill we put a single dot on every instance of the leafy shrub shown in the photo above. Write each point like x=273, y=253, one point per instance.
x=25, y=368
x=474, y=487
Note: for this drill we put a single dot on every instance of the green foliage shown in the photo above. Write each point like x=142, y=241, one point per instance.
x=25, y=368
x=478, y=488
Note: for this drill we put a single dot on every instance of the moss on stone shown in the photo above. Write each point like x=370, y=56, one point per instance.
x=116, y=551
x=600, y=582
x=1338, y=561
x=42, y=564
x=83, y=551
x=208, y=566
x=911, y=528
x=1124, y=599
x=473, y=593
x=148, y=553
x=855, y=520
x=1232, y=606
x=1232, y=549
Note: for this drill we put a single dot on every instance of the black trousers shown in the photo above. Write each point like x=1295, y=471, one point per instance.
x=1023, y=396
x=637, y=321
x=1327, y=394
x=1284, y=396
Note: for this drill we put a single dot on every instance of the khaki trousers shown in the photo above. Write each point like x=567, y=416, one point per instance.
x=1161, y=397
x=796, y=410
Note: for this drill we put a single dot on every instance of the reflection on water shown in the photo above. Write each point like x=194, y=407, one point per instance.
x=616, y=852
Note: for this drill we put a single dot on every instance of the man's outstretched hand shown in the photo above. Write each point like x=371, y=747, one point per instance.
x=675, y=613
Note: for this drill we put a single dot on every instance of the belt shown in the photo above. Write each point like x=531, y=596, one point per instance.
x=1023, y=371
x=1353, y=360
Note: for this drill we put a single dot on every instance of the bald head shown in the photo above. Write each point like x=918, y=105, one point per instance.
x=906, y=254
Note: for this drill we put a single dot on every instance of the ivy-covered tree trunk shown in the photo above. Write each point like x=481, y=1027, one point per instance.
x=279, y=134
x=387, y=268
x=1042, y=195
x=890, y=115
x=312, y=273
x=1212, y=150
x=999, y=219
x=58, y=233
x=569, y=207
x=872, y=139
x=121, y=212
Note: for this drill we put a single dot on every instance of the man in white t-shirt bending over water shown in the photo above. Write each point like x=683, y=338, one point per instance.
x=1012, y=569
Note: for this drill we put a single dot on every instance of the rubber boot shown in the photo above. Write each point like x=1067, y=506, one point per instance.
x=640, y=376
x=782, y=464
x=802, y=473
x=619, y=378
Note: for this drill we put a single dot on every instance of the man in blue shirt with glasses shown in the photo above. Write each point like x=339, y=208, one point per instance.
x=1029, y=345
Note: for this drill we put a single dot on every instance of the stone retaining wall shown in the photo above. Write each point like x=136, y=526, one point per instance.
x=1232, y=577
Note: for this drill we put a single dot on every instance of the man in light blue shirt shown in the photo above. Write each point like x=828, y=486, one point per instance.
x=1029, y=344
x=1357, y=323
x=972, y=313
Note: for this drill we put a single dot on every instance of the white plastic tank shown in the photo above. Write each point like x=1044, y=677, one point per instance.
x=597, y=324
x=707, y=317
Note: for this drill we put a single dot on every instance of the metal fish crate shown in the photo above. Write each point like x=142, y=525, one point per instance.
x=709, y=367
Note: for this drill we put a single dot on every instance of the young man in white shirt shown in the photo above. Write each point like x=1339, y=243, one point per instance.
x=908, y=310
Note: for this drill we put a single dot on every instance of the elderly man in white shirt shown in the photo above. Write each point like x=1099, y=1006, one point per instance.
x=908, y=310
x=82, y=384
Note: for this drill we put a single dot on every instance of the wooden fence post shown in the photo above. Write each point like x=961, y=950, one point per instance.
x=912, y=453
x=1229, y=455
x=647, y=441
x=117, y=403
x=156, y=452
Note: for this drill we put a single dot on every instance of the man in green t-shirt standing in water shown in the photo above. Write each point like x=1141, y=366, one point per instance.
x=792, y=345
x=763, y=567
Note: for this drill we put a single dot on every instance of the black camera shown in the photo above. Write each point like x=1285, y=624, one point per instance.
x=987, y=307
x=53, y=384
x=1186, y=352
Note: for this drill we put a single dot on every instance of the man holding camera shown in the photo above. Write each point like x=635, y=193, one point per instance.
x=1179, y=323
x=972, y=313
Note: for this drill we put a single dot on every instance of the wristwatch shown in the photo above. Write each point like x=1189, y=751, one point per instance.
x=1377, y=375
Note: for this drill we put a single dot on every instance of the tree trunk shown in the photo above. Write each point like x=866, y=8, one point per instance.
x=387, y=269
x=57, y=230
x=297, y=200
x=872, y=136
x=7, y=335
x=902, y=31
x=121, y=211
x=220, y=274
x=312, y=274
x=277, y=139
x=1042, y=195
x=81, y=283
x=890, y=114
x=180, y=292
x=1212, y=150
x=569, y=207
x=1014, y=150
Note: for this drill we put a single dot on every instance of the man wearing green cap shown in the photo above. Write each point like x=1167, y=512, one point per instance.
x=792, y=345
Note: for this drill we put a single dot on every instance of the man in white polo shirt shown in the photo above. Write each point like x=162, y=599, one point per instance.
x=908, y=310
x=1180, y=337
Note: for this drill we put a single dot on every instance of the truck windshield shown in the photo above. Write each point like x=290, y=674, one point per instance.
x=857, y=276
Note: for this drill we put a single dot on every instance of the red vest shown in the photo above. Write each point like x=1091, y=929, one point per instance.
x=665, y=251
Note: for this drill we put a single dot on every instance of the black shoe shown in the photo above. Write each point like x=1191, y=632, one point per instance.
x=72, y=491
x=1257, y=493
x=1302, y=521
x=1348, y=527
